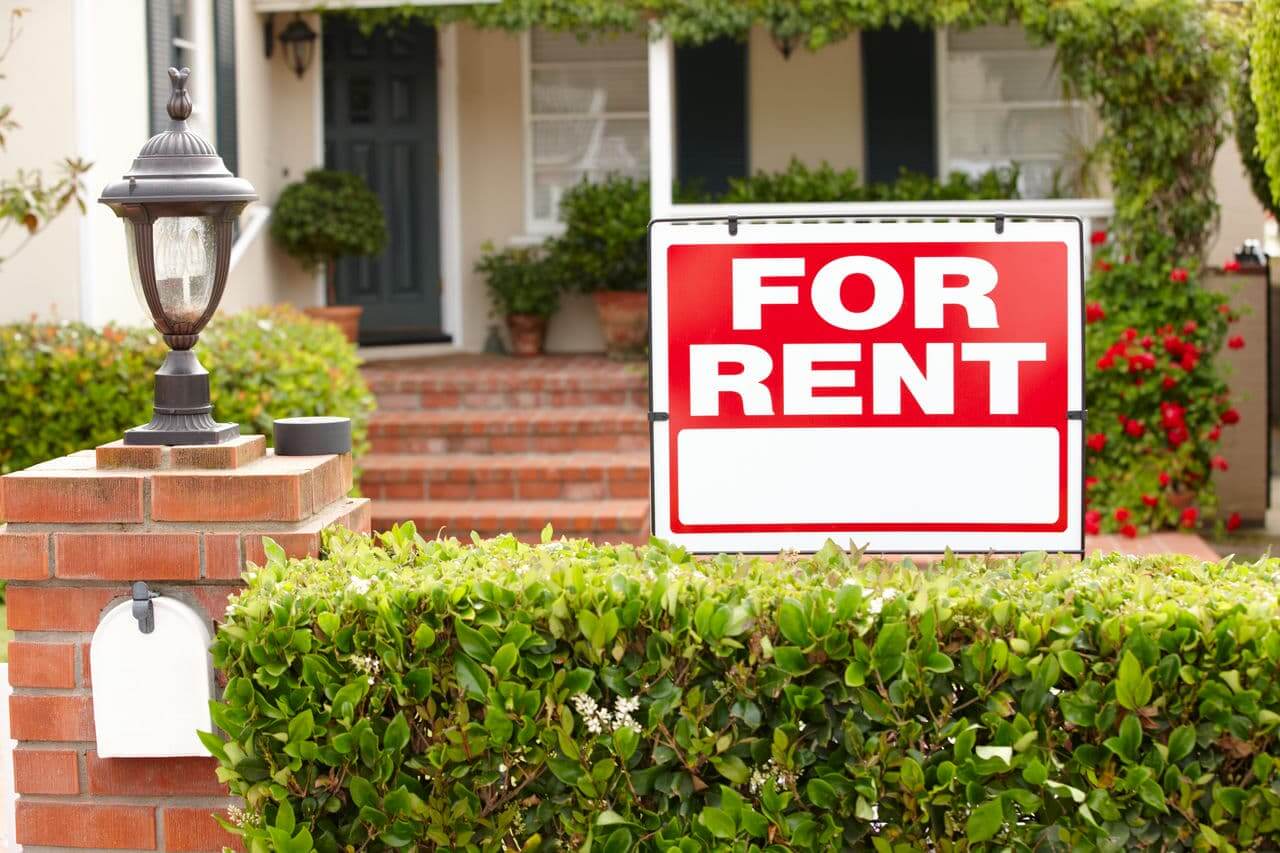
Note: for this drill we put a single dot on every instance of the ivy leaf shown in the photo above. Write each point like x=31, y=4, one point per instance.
x=718, y=822
x=1133, y=687
x=473, y=642
x=473, y=680
x=1181, y=741
x=362, y=792
x=504, y=659
x=791, y=660
x=396, y=737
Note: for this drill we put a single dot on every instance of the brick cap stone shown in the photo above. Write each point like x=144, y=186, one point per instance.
x=236, y=453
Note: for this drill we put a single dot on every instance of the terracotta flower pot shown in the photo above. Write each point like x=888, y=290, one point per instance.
x=624, y=321
x=528, y=331
x=345, y=317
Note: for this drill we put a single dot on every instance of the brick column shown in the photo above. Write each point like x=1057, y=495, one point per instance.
x=80, y=530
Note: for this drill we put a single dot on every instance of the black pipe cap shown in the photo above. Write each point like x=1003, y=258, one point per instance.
x=314, y=436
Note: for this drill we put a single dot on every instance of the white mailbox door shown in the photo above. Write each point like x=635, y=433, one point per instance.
x=151, y=692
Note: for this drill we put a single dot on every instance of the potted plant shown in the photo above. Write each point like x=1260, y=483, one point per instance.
x=326, y=216
x=525, y=289
x=605, y=246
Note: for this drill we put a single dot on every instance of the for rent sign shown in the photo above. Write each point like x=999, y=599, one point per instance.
x=911, y=386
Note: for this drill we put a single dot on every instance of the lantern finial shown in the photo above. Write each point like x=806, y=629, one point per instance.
x=179, y=100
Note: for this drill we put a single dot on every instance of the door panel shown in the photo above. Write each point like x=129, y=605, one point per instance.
x=381, y=124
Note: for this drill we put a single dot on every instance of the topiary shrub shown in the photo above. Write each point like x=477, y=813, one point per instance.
x=522, y=280
x=326, y=216
x=68, y=387
x=430, y=695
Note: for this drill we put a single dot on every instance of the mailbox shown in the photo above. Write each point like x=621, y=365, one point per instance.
x=152, y=679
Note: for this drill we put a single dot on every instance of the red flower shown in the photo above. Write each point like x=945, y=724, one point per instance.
x=1099, y=237
x=1090, y=482
x=1106, y=362
x=1214, y=434
x=1130, y=334
x=1189, y=361
x=1236, y=342
x=1189, y=327
x=1122, y=514
x=1142, y=361
x=1093, y=312
x=1231, y=266
x=1177, y=436
x=1178, y=275
x=1169, y=383
x=1172, y=415
x=1225, y=310
x=1150, y=500
x=1146, y=342
x=1097, y=441
x=1134, y=428
x=1164, y=479
x=1219, y=462
x=1231, y=416
x=1102, y=265
x=1173, y=344
x=1233, y=520
x=1189, y=517
x=1130, y=531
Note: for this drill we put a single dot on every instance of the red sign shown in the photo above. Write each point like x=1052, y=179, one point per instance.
x=907, y=386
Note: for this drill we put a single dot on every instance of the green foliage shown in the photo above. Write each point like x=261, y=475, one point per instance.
x=521, y=280
x=500, y=696
x=326, y=216
x=1245, y=115
x=1158, y=403
x=799, y=183
x=1264, y=53
x=68, y=387
x=604, y=242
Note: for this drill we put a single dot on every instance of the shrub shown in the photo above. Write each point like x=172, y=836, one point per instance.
x=565, y=696
x=800, y=183
x=605, y=238
x=521, y=280
x=326, y=216
x=67, y=387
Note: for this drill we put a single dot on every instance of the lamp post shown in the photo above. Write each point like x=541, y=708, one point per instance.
x=179, y=204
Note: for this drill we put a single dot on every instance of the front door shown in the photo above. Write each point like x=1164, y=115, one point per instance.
x=380, y=122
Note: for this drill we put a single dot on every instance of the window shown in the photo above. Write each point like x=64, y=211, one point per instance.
x=587, y=116
x=1003, y=103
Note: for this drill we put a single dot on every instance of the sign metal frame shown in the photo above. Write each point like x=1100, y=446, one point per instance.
x=1075, y=416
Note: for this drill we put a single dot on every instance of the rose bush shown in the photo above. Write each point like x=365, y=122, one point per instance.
x=1158, y=404
x=408, y=694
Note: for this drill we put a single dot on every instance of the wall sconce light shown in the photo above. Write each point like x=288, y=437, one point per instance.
x=298, y=41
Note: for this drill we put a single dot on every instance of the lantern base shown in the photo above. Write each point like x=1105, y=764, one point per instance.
x=183, y=412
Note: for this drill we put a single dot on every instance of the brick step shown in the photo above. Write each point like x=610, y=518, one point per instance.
x=493, y=383
x=458, y=476
x=501, y=431
x=603, y=521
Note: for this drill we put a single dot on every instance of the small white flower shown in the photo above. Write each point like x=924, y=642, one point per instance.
x=502, y=768
x=801, y=725
x=875, y=605
x=360, y=585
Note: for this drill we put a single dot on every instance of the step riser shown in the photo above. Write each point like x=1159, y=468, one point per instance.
x=507, y=444
x=441, y=401
x=509, y=489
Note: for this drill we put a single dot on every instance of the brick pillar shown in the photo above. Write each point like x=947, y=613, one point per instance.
x=80, y=530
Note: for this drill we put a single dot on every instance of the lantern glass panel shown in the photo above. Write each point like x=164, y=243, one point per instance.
x=185, y=249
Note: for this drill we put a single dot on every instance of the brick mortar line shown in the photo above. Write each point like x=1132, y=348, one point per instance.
x=150, y=526
x=159, y=800
x=200, y=559
x=52, y=691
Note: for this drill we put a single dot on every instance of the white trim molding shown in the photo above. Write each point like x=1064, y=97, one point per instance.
x=450, y=209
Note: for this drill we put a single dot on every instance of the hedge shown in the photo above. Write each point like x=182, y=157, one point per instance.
x=401, y=693
x=66, y=386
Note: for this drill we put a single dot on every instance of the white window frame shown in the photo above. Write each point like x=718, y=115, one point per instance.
x=942, y=105
x=535, y=227
x=203, y=83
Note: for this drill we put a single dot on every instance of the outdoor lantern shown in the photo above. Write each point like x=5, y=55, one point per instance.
x=179, y=204
x=298, y=41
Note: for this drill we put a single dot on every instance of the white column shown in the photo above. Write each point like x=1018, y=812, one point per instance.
x=661, y=124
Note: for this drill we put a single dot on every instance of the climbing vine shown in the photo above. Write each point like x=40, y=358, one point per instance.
x=1265, y=82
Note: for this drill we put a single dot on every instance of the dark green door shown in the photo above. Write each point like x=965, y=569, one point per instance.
x=380, y=122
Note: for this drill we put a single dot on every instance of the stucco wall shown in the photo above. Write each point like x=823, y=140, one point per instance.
x=44, y=277
x=808, y=106
x=1242, y=215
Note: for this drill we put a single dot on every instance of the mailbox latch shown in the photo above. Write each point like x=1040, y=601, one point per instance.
x=143, y=610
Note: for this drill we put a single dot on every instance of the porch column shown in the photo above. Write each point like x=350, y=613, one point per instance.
x=661, y=131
